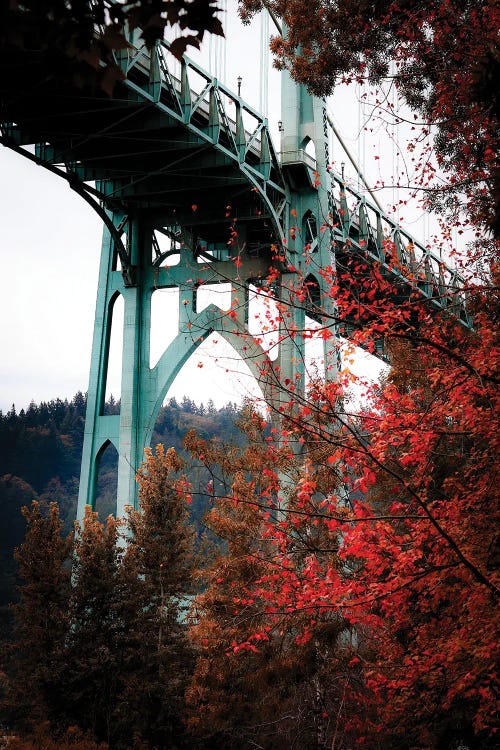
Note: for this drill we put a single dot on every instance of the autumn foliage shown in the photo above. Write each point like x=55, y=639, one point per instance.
x=348, y=592
x=443, y=58
x=375, y=505
x=383, y=538
x=377, y=520
x=268, y=671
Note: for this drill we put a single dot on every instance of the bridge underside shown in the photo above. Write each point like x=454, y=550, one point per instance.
x=185, y=178
x=191, y=192
x=156, y=147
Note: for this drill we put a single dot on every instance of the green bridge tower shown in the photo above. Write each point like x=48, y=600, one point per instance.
x=292, y=190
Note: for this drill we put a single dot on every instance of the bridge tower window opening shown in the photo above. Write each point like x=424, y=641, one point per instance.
x=113, y=365
x=313, y=291
x=106, y=481
x=309, y=148
x=310, y=231
x=164, y=321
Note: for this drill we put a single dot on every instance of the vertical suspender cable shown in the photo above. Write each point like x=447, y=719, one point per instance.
x=395, y=144
x=217, y=51
x=364, y=125
x=393, y=147
x=351, y=158
x=335, y=133
x=210, y=54
x=219, y=58
x=360, y=125
x=224, y=45
x=396, y=97
x=427, y=236
x=264, y=64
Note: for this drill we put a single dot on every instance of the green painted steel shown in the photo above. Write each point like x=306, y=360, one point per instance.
x=204, y=261
x=181, y=167
x=143, y=387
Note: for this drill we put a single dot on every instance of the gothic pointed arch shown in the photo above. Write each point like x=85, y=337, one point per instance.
x=187, y=342
x=312, y=289
x=309, y=148
x=310, y=231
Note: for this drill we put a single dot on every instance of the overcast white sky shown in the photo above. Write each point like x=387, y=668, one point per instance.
x=50, y=245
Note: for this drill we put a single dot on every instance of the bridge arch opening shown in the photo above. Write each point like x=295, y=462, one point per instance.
x=264, y=319
x=309, y=147
x=218, y=294
x=106, y=481
x=114, y=353
x=164, y=321
x=215, y=371
x=206, y=395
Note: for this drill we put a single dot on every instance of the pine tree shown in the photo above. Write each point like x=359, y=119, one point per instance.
x=93, y=656
x=158, y=566
x=101, y=643
x=37, y=653
x=42, y=738
x=94, y=659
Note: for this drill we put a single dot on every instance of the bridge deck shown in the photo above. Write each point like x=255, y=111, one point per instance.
x=187, y=152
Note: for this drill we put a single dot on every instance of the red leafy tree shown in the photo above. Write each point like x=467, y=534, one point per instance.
x=443, y=57
x=391, y=522
x=418, y=460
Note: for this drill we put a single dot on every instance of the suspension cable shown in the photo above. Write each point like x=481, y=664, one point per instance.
x=273, y=17
x=264, y=64
x=330, y=122
x=353, y=162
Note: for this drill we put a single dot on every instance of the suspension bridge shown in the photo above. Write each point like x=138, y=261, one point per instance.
x=192, y=193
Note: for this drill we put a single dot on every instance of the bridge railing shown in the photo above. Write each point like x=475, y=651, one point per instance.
x=200, y=100
x=301, y=155
x=367, y=230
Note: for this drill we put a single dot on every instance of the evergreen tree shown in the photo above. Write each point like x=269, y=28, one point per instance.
x=14, y=494
x=158, y=563
x=103, y=647
x=42, y=739
x=37, y=653
x=94, y=655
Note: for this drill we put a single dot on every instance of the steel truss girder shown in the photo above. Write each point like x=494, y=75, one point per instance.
x=188, y=117
x=361, y=228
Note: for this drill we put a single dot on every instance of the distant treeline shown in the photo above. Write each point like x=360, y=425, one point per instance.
x=40, y=454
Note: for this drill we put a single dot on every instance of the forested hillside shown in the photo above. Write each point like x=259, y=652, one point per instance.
x=40, y=453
